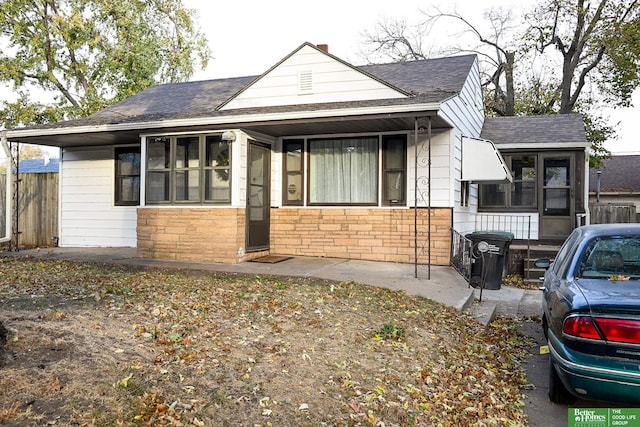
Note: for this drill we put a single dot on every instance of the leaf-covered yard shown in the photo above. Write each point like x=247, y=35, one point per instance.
x=103, y=345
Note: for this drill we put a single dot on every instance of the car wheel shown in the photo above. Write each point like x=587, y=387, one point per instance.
x=558, y=393
x=545, y=327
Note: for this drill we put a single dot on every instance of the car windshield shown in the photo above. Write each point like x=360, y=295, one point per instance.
x=612, y=257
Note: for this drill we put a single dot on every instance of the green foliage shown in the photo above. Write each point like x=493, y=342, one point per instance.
x=86, y=54
x=389, y=332
x=598, y=132
x=598, y=43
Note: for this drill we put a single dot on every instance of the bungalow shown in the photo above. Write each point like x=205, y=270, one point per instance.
x=315, y=157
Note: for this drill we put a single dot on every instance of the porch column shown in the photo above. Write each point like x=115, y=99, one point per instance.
x=6, y=237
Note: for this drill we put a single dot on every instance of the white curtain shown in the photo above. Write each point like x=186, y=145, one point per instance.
x=343, y=170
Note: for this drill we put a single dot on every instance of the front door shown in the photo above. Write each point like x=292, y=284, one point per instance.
x=258, y=197
x=557, y=195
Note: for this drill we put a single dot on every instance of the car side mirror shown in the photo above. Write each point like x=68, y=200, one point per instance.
x=542, y=263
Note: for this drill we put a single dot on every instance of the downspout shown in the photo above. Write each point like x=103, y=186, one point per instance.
x=6, y=237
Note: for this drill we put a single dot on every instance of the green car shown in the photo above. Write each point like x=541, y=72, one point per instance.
x=591, y=315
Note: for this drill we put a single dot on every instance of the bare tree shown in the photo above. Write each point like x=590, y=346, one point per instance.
x=494, y=46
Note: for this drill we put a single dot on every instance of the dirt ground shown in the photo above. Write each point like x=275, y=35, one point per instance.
x=100, y=345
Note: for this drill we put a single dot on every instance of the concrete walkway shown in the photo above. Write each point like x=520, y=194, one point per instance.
x=445, y=285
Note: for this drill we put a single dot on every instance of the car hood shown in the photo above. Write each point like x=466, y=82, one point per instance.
x=603, y=295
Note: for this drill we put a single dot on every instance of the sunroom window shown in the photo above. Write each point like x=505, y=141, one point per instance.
x=519, y=194
x=192, y=169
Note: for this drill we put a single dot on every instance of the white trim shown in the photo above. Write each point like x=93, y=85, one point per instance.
x=203, y=121
x=8, y=193
x=143, y=171
x=537, y=145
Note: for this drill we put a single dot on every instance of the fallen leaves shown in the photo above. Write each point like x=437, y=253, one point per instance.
x=201, y=349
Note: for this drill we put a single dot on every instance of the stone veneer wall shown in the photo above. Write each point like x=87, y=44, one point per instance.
x=200, y=234
x=362, y=233
x=218, y=234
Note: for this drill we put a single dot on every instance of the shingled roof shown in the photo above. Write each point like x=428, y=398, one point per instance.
x=556, y=128
x=428, y=81
x=619, y=174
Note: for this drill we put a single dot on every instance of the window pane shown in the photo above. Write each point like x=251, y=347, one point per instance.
x=127, y=176
x=394, y=163
x=343, y=171
x=523, y=194
x=394, y=155
x=523, y=168
x=294, y=157
x=158, y=153
x=128, y=163
x=294, y=187
x=129, y=189
x=394, y=184
x=187, y=152
x=493, y=194
x=217, y=186
x=556, y=172
x=217, y=152
x=556, y=202
x=157, y=187
x=188, y=185
x=292, y=171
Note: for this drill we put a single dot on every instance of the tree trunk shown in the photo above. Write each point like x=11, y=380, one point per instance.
x=510, y=101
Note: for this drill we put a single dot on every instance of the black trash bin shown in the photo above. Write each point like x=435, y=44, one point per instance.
x=488, y=264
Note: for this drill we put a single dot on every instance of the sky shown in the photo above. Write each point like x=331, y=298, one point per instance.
x=247, y=37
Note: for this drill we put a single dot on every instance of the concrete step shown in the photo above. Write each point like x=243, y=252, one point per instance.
x=506, y=301
x=483, y=312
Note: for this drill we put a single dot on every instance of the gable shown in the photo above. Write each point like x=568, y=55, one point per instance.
x=311, y=76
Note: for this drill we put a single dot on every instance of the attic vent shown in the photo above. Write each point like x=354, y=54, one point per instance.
x=305, y=82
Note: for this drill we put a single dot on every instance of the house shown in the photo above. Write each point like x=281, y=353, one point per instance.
x=617, y=183
x=44, y=165
x=315, y=157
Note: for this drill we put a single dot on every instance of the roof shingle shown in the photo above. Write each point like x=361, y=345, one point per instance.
x=430, y=80
x=619, y=174
x=534, y=129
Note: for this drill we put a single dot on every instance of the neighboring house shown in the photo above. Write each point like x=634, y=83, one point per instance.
x=45, y=165
x=315, y=157
x=619, y=182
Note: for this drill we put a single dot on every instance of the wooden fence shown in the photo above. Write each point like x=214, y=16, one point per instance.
x=609, y=213
x=38, y=209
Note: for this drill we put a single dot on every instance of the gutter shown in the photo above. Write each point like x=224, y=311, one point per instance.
x=538, y=145
x=223, y=120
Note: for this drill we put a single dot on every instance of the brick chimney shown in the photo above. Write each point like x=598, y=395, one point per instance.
x=324, y=47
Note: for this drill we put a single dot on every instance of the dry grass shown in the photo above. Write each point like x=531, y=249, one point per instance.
x=97, y=345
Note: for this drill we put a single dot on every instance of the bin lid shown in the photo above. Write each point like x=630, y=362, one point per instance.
x=491, y=235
